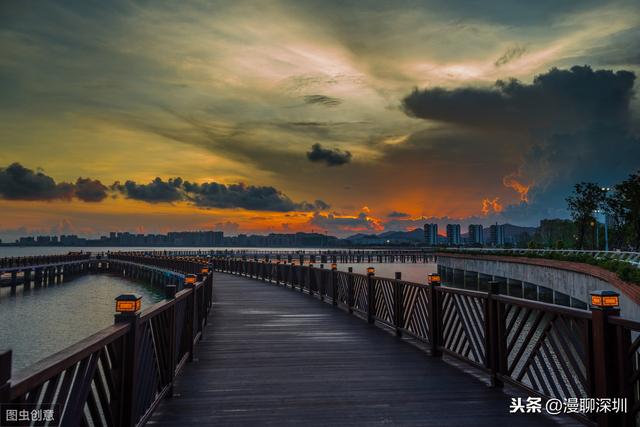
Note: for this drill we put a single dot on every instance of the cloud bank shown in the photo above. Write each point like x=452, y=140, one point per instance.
x=574, y=124
x=20, y=183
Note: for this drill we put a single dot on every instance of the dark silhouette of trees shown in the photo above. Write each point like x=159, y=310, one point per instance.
x=586, y=198
x=627, y=208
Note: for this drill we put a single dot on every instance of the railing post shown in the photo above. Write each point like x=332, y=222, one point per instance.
x=126, y=410
x=200, y=300
x=371, y=295
x=190, y=284
x=435, y=323
x=170, y=294
x=322, y=286
x=603, y=338
x=492, y=334
x=350, y=290
x=334, y=284
x=5, y=376
x=398, y=298
x=311, y=279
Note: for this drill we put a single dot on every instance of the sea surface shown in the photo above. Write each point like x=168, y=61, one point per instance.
x=41, y=321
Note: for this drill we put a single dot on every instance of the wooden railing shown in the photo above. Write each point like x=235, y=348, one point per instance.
x=547, y=350
x=117, y=376
x=11, y=262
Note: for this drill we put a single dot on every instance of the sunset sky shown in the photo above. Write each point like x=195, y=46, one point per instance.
x=332, y=116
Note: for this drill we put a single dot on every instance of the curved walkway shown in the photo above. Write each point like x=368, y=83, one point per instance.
x=274, y=356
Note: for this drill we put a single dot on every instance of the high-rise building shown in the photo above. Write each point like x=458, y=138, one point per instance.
x=496, y=235
x=476, y=234
x=453, y=234
x=431, y=234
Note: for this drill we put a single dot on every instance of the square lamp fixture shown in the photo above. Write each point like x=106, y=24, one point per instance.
x=128, y=303
x=433, y=278
x=605, y=299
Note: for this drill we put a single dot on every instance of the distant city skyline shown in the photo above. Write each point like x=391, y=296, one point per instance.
x=497, y=237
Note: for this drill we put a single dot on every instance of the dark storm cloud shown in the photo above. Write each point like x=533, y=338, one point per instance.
x=215, y=195
x=573, y=125
x=260, y=198
x=327, y=101
x=558, y=99
x=90, y=190
x=396, y=214
x=331, y=157
x=157, y=191
x=20, y=183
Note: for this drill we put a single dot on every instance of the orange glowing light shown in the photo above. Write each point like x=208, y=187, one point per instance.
x=128, y=303
x=371, y=270
x=190, y=279
x=433, y=278
x=605, y=301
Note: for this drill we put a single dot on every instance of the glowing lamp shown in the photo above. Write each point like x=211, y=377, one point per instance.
x=128, y=303
x=334, y=266
x=433, y=279
x=371, y=271
x=605, y=299
x=190, y=279
x=204, y=270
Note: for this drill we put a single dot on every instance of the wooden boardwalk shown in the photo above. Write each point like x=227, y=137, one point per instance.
x=274, y=356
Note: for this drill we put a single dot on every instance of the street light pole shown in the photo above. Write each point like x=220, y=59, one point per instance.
x=606, y=223
x=606, y=232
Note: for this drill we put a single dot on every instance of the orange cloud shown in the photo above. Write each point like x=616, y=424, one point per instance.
x=513, y=181
x=489, y=205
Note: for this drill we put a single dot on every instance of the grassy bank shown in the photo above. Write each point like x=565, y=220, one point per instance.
x=624, y=270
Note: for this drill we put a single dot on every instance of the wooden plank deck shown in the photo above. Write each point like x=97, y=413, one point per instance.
x=274, y=356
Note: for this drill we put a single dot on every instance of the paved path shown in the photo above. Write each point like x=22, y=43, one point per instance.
x=274, y=356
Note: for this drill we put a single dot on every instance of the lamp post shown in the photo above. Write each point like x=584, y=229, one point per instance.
x=605, y=190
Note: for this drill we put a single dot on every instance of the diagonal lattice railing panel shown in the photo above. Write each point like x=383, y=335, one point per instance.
x=546, y=351
x=415, y=310
x=360, y=293
x=463, y=326
x=384, y=298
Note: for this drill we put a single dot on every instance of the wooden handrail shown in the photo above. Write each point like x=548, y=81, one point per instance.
x=46, y=368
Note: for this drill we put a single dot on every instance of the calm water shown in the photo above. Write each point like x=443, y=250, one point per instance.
x=40, y=322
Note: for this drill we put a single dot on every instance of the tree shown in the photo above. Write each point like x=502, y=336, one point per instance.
x=616, y=219
x=586, y=198
x=627, y=194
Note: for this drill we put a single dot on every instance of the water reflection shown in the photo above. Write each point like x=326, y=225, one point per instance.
x=38, y=322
